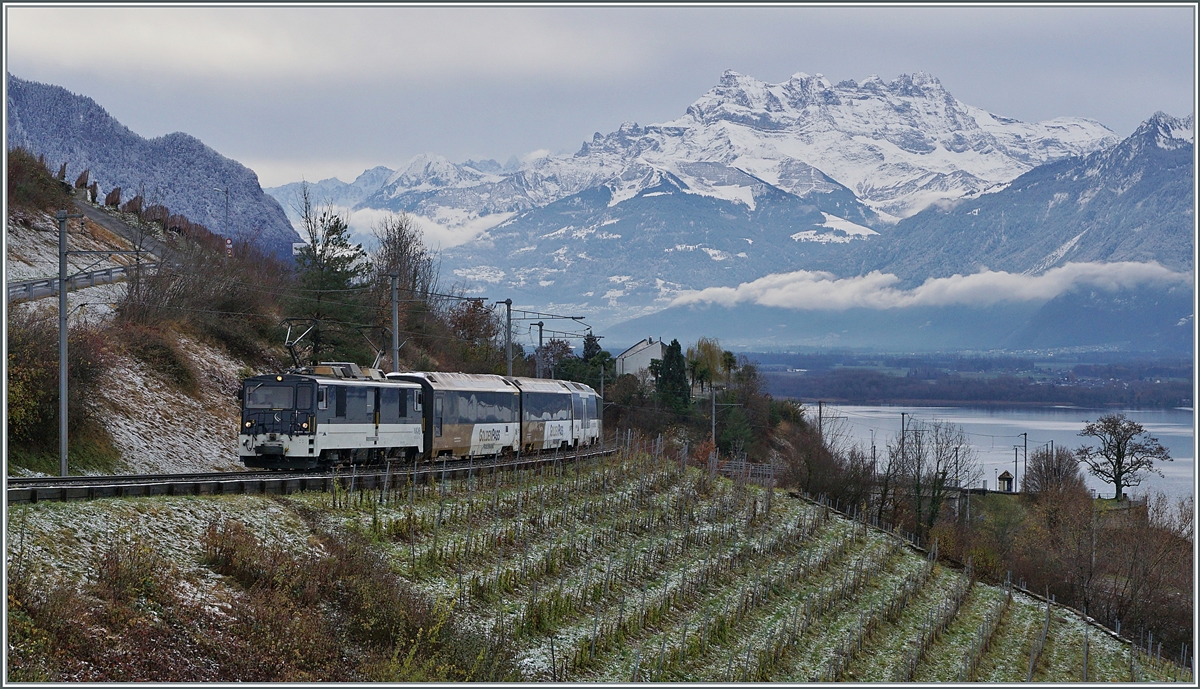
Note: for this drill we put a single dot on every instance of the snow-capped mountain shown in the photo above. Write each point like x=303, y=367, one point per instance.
x=898, y=146
x=176, y=170
x=1131, y=202
x=331, y=191
x=752, y=178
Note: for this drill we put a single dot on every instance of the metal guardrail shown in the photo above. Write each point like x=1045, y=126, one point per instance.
x=29, y=290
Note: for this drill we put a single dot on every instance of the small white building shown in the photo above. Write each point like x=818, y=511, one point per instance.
x=637, y=358
x=1007, y=483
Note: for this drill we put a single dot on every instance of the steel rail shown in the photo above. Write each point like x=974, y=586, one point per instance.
x=32, y=489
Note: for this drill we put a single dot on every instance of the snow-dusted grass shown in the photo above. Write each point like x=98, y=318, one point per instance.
x=945, y=661
x=60, y=542
x=159, y=429
x=1008, y=659
x=624, y=566
x=627, y=568
x=886, y=651
x=62, y=538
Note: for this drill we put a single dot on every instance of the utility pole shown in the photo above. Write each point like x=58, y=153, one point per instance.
x=62, y=217
x=1015, y=448
x=713, y=390
x=395, y=323
x=508, y=333
x=62, y=336
x=957, y=484
x=538, y=358
x=1026, y=454
x=957, y=478
x=821, y=422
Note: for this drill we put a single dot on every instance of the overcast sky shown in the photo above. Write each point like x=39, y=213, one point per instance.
x=318, y=92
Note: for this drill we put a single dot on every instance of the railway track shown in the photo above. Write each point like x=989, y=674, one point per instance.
x=33, y=489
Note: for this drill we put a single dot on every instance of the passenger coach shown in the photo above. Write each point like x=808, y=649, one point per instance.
x=468, y=414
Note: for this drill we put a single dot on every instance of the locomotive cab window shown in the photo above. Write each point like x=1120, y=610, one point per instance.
x=304, y=397
x=322, y=397
x=270, y=397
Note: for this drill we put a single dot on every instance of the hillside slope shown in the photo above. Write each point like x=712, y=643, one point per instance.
x=618, y=570
x=156, y=426
x=175, y=170
x=1132, y=202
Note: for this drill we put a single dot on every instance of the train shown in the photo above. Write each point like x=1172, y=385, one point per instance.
x=338, y=414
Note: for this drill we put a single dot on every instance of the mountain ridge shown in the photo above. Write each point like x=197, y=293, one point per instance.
x=176, y=170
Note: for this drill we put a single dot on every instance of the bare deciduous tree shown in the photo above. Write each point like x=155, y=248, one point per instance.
x=1126, y=452
x=1052, y=473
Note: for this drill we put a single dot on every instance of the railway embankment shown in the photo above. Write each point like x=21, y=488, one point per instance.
x=164, y=399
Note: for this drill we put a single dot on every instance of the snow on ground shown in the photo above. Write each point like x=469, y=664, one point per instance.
x=31, y=246
x=161, y=430
x=61, y=541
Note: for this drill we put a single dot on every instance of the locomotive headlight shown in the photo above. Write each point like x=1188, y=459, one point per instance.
x=278, y=377
x=304, y=425
x=249, y=424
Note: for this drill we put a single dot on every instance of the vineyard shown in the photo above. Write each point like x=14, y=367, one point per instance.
x=640, y=567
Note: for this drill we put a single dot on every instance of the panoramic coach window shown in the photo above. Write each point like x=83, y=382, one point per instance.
x=483, y=407
x=270, y=397
x=541, y=406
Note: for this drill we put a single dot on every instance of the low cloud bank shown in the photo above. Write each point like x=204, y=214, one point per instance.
x=449, y=230
x=821, y=291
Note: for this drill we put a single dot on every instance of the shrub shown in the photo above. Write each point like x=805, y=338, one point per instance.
x=405, y=636
x=198, y=289
x=156, y=348
x=133, y=205
x=156, y=213
x=30, y=184
x=33, y=376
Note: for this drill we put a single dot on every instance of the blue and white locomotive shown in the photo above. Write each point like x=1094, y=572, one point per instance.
x=336, y=414
x=329, y=414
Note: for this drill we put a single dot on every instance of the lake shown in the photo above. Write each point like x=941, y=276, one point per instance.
x=993, y=432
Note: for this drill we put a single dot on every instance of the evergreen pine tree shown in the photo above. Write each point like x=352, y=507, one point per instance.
x=672, y=379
